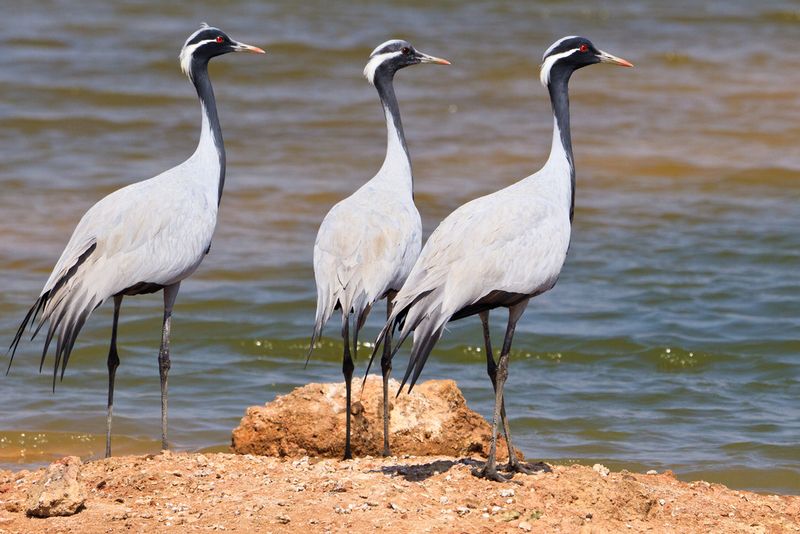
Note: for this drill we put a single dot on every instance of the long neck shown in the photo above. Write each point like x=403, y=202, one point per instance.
x=211, y=133
x=397, y=164
x=562, y=140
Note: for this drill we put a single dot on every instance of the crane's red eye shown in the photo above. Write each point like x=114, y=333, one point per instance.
x=583, y=48
x=219, y=39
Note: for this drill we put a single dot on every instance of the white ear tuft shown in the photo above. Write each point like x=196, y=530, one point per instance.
x=547, y=66
x=375, y=62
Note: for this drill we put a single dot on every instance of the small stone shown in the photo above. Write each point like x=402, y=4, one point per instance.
x=600, y=468
x=59, y=492
x=524, y=525
x=283, y=519
x=507, y=492
x=652, y=472
x=443, y=499
x=662, y=502
x=393, y=506
x=511, y=515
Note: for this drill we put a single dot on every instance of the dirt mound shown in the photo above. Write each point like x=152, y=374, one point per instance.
x=244, y=493
x=432, y=420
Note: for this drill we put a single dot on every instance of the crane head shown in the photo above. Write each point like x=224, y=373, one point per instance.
x=209, y=42
x=571, y=53
x=394, y=55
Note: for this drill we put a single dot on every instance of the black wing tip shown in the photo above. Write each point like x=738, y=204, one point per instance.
x=29, y=319
x=315, y=336
x=389, y=326
x=308, y=355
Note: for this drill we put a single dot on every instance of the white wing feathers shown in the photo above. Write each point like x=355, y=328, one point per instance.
x=365, y=246
x=152, y=232
x=514, y=240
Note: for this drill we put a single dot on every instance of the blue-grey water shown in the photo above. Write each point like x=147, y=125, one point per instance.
x=671, y=340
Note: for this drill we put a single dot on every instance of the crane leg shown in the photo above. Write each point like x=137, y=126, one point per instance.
x=170, y=293
x=347, y=370
x=113, y=363
x=386, y=370
x=514, y=465
x=489, y=470
x=491, y=370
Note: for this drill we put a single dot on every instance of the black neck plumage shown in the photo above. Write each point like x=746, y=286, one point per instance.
x=383, y=83
x=559, y=99
x=202, y=83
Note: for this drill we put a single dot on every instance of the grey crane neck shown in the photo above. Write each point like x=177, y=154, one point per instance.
x=385, y=86
x=202, y=83
x=559, y=99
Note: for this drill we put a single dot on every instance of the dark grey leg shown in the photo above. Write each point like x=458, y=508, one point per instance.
x=113, y=363
x=489, y=470
x=514, y=465
x=491, y=370
x=347, y=370
x=386, y=370
x=170, y=293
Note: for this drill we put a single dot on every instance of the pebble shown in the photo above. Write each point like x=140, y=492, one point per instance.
x=652, y=472
x=283, y=519
x=510, y=516
x=524, y=525
x=600, y=468
x=507, y=492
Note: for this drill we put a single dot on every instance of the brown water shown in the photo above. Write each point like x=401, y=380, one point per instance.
x=671, y=340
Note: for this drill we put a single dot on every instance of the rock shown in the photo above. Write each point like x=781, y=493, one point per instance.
x=433, y=420
x=59, y=492
x=600, y=468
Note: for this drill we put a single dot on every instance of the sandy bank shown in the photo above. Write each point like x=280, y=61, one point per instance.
x=190, y=492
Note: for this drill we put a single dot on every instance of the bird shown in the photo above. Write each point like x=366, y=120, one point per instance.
x=499, y=250
x=142, y=238
x=367, y=243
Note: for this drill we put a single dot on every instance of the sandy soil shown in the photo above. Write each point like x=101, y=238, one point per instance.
x=189, y=492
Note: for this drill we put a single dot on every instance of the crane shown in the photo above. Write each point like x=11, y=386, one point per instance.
x=499, y=250
x=367, y=243
x=142, y=238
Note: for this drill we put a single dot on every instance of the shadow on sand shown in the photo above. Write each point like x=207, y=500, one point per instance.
x=419, y=472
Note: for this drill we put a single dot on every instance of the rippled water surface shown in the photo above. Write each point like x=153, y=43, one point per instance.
x=672, y=338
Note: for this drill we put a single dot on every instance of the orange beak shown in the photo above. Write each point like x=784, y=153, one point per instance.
x=241, y=47
x=605, y=57
x=425, y=58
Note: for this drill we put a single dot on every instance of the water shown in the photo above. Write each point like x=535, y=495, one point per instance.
x=671, y=340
